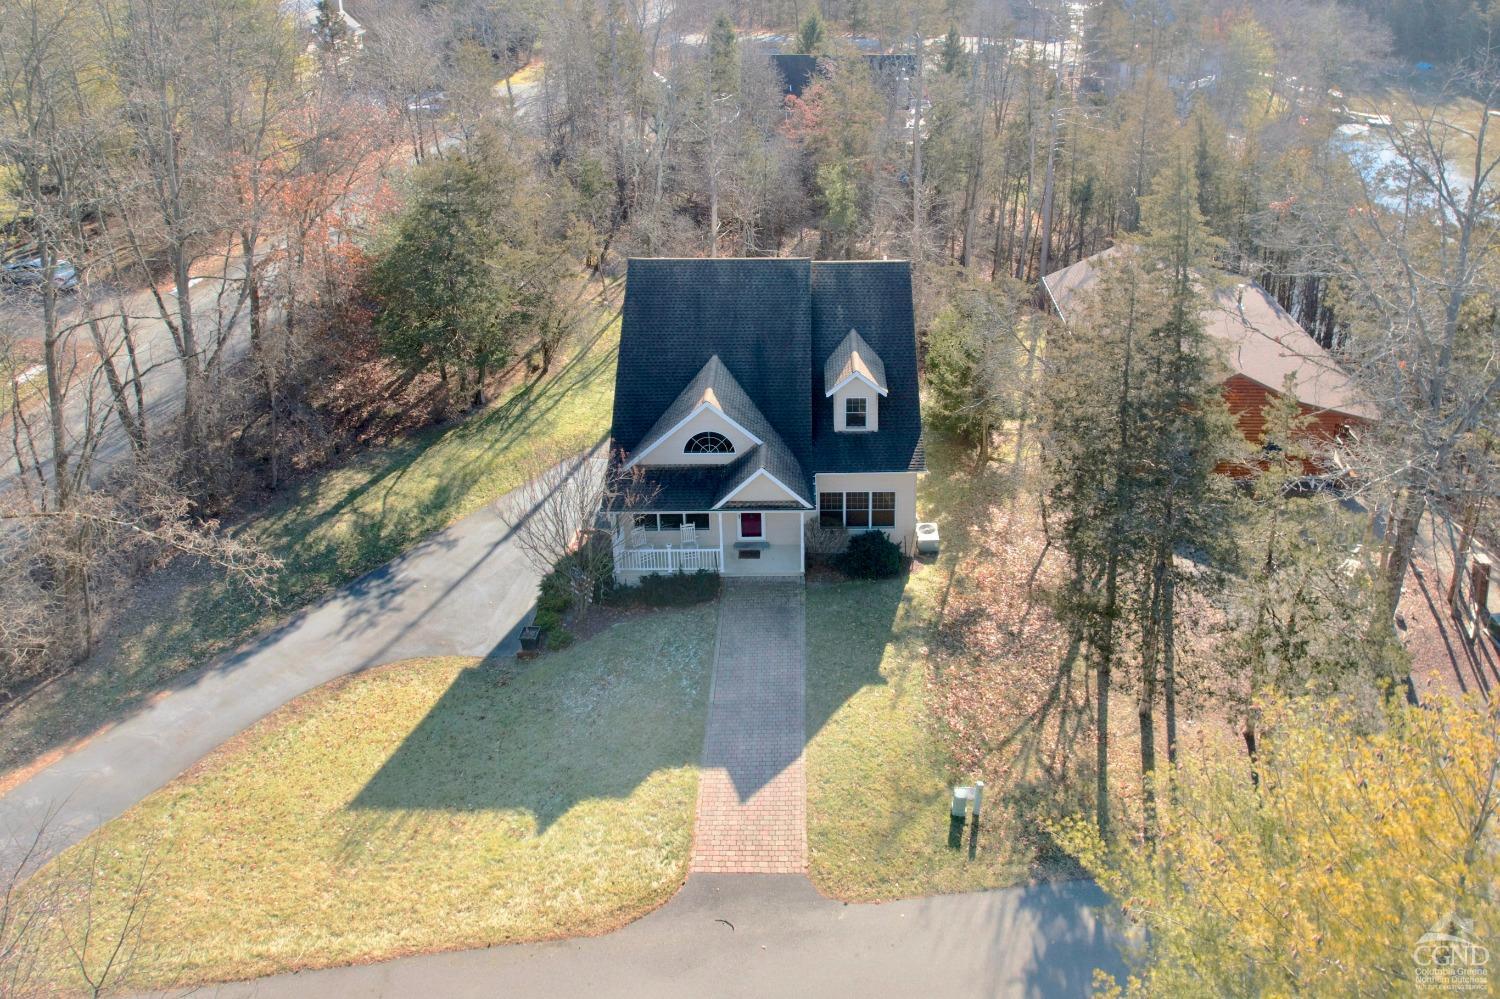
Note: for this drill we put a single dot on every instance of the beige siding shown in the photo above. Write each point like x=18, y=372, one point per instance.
x=782, y=530
x=856, y=390
x=903, y=484
x=669, y=451
x=765, y=490
x=782, y=527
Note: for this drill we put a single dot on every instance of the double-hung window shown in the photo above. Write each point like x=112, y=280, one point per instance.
x=855, y=413
x=831, y=509
x=857, y=511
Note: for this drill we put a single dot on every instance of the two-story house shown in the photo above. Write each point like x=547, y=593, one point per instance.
x=757, y=396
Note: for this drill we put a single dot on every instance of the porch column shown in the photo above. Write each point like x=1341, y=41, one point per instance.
x=802, y=540
x=723, y=562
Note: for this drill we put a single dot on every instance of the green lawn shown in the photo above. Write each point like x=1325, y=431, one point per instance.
x=424, y=806
x=879, y=765
x=328, y=530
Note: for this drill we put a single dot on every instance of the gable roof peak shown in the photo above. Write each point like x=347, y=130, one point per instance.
x=713, y=387
x=854, y=359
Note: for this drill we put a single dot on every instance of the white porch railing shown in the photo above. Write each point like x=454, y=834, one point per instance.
x=667, y=559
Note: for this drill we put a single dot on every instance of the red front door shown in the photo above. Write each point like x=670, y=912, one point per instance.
x=750, y=526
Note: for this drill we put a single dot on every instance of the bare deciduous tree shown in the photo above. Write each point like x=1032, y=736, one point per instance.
x=557, y=516
x=79, y=914
x=1419, y=255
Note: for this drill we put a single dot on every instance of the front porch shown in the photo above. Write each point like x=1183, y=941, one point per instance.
x=732, y=543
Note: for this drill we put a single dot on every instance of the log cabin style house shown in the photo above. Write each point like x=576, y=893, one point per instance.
x=1262, y=346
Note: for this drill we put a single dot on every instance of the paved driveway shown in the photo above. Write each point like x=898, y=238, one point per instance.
x=466, y=590
x=752, y=795
x=728, y=935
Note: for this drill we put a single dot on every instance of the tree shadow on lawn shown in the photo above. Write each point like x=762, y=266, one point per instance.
x=189, y=615
x=380, y=528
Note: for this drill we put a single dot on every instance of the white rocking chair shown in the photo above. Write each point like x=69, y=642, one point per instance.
x=688, y=536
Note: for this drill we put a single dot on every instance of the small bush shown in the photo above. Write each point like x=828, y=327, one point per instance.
x=872, y=555
x=680, y=589
x=554, y=601
x=547, y=619
x=1037, y=809
x=555, y=594
x=827, y=542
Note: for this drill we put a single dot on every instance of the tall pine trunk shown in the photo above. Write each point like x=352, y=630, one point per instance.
x=1104, y=653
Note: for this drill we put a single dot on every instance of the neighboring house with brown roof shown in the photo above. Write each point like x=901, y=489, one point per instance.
x=1262, y=344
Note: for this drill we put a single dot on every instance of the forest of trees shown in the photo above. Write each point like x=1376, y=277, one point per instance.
x=429, y=200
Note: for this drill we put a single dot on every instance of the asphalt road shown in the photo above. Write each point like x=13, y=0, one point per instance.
x=162, y=381
x=466, y=590
x=731, y=935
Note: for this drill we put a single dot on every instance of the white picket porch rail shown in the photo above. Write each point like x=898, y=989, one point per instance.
x=667, y=559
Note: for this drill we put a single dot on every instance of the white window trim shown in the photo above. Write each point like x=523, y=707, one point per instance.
x=866, y=429
x=869, y=509
x=701, y=433
x=739, y=526
x=754, y=440
x=759, y=473
x=857, y=377
x=669, y=513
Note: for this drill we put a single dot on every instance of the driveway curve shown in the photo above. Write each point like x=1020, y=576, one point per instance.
x=466, y=590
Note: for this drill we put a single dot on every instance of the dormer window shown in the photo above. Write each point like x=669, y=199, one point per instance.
x=854, y=380
x=708, y=442
x=856, y=416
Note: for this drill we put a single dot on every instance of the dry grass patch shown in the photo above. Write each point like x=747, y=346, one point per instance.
x=958, y=672
x=920, y=683
x=431, y=805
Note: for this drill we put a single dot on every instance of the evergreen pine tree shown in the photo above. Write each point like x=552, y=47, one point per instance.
x=811, y=36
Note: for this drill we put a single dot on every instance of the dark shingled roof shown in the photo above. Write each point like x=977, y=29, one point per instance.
x=775, y=458
x=759, y=333
x=715, y=384
x=677, y=489
x=853, y=356
x=752, y=314
x=889, y=71
x=872, y=297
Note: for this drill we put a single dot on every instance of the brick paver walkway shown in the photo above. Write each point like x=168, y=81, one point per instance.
x=752, y=797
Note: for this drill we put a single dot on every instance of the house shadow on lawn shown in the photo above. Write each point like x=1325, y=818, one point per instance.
x=600, y=719
x=849, y=626
x=594, y=722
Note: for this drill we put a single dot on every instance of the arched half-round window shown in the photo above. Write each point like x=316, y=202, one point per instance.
x=709, y=442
